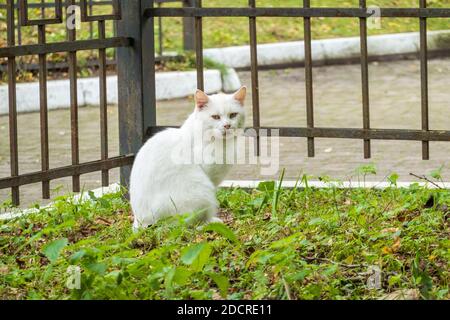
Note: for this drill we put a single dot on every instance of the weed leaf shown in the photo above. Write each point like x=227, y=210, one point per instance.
x=53, y=249
x=222, y=283
x=223, y=230
x=196, y=255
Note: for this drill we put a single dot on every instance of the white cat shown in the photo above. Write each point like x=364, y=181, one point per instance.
x=166, y=180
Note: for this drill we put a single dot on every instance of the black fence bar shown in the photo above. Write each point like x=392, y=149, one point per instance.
x=298, y=12
x=19, y=29
x=12, y=101
x=103, y=103
x=91, y=23
x=309, y=78
x=43, y=112
x=254, y=74
x=160, y=33
x=42, y=9
x=199, y=48
x=72, y=58
x=365, y=78
x=424, y=81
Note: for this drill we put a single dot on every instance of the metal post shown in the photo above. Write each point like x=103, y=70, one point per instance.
x=136, y=79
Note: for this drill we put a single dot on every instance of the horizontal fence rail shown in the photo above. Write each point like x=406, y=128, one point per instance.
x=299, y=12
x=342, y=133
x=67, y=171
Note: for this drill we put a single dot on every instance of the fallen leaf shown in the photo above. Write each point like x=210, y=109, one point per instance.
x=103, y=221
x=394, y=248
x=405, y=294
x=393, y=230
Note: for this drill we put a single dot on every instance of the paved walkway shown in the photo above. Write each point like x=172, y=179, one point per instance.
x=395, y=103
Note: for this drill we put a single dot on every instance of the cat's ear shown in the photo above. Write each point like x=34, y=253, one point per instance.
x=240, y=95
x=201, y=99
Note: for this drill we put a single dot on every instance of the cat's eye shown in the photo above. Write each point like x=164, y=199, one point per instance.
x=216, y=117
x=233, y=115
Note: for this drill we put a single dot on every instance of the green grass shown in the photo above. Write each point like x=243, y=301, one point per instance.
x=277, y=244
x=222, y=32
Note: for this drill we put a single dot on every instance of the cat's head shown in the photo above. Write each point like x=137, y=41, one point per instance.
x=221, y=113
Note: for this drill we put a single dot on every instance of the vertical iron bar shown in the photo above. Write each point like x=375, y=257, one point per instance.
x=199, y=48
x=43, y=112
x=115, y=35
x=308, y=78
x=91, y=24
x=74, y=107
x=365, y=78
x=12, y=101
x=424, y=80
x=254, y=74
x=43, y=9
x=19, y=29
x=103, y=103
x=160, y=33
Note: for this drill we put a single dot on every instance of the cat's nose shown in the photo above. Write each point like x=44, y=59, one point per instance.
x=227, y=126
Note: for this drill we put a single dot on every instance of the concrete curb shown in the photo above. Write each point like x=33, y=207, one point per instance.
x=328, y=49
x=169, y=85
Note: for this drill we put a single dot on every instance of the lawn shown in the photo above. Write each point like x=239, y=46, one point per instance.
x=277, y=243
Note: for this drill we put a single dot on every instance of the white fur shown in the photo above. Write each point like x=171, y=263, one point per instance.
x=161, y=186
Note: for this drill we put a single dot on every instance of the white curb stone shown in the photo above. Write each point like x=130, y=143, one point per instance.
x=169, y=85
x=326, y=49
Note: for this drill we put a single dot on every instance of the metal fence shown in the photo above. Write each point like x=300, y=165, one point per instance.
x=42, y=49
x=135, y=45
